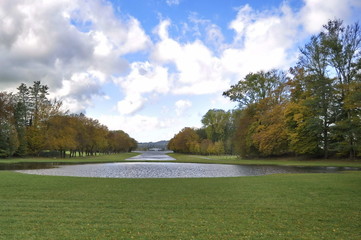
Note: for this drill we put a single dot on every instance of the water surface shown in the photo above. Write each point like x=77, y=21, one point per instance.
x=173, y=170
x=152, y=156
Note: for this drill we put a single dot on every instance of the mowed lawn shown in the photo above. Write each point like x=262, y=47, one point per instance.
x=85, y=159
x=290, y=206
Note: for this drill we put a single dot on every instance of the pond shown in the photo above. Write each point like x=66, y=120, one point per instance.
x=174, y=170
x=152, y=156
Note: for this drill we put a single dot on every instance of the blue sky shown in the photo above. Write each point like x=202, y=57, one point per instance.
x=152, y=67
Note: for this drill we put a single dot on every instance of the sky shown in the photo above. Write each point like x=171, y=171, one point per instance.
x=153, y=67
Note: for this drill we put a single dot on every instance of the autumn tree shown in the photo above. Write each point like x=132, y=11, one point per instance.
x=269, y=130
x=314, y=111
x=330, y=63
x=32, y=111
x=259, y=128
x=30, y=123
x=9, y=142
x=119, y=141
x=61, y=134
x=184, y=141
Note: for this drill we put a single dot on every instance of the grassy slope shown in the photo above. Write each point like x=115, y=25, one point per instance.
x=289, y=162
x=302, y=206
x=189, y=158
x=299, y=206
x=95, y=159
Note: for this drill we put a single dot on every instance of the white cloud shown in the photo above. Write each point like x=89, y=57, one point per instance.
x=141, y=127
x=131, y=104
x=316, y=13
x=198, y=71
x=181, y=106
x=241, y=22
x=79, y=91
x=221, y=102
x=60, y=41
x=144, y=78
x=270, y=39
x=262, y=41
x=172, y=2
x=215, y=36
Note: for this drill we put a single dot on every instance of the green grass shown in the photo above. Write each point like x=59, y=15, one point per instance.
x=227, y=159
x=88, y=159
x=289, y=206
x=300, y=206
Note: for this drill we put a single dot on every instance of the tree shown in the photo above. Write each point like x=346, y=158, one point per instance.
x=21, y=115
x=8, y=134
x=260, y=95
x=331, y=64
x=184, y=141
x=344, y=46
x=96, y=136
x=303, y=129
x=216, y=123
x=61, y=134
x=269, y=131
x=205, y=146
x=38, y=110
x=119, y=141
x=319, y=96
x=242, y=140
x=30, y=124
x=257, y=86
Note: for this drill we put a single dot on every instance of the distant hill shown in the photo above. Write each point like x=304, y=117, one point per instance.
x=161, y=145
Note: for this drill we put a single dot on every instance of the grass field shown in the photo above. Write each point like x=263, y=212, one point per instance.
x=87, y=159
x=227, y=159
x=291, y=206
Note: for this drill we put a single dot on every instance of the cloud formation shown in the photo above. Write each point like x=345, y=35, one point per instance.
x=144, y=79
x=181, y=106
x=60, y=42
x=77, y=47
x=197, y=70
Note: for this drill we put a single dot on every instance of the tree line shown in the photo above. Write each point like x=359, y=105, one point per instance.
x=314, y=109
x=31, y=124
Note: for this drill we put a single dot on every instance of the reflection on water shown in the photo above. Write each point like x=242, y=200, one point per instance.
x=174, y=170
x=27, y=165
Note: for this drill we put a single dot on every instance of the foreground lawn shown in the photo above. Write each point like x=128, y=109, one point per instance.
x=302, y=206
x=226, y=159
x=88, y=159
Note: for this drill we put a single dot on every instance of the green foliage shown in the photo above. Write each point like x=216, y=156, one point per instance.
x=216, y=122
x=302, y=129
x=255, y=87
